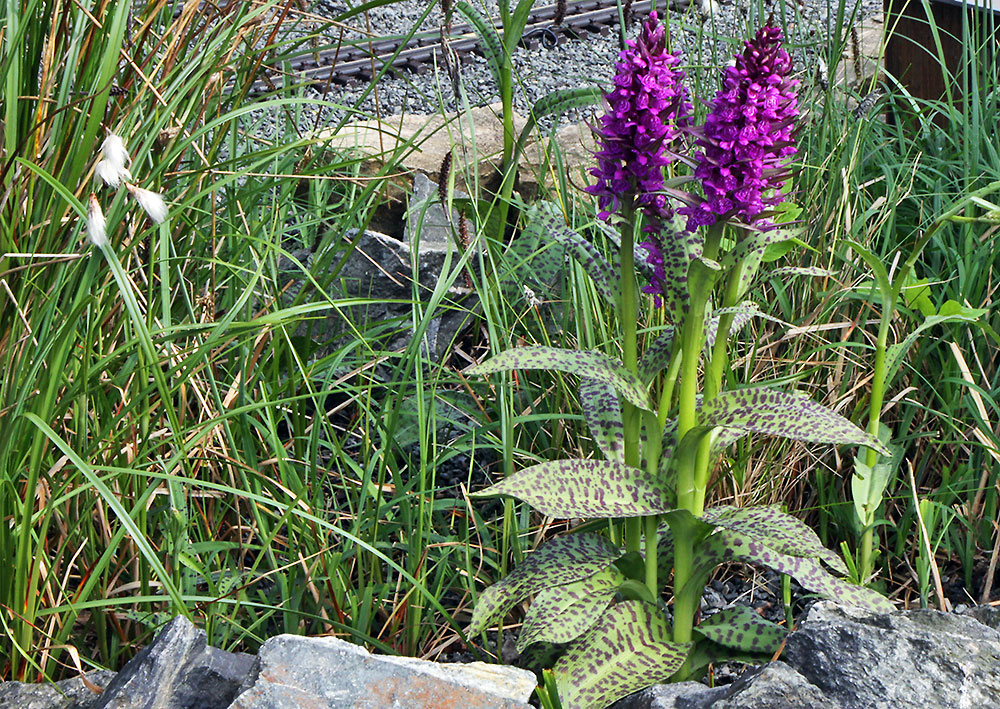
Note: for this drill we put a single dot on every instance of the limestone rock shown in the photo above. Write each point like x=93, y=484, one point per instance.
x=177, y=671
x=682, y=695
x=918, y=658
x=293, y=672
x=66, y=694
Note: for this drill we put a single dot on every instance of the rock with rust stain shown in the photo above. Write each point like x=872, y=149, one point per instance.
x=293, y=672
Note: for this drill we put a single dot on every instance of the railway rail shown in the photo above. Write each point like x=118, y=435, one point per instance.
x=358, y=62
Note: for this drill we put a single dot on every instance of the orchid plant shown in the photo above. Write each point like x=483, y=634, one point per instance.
x=662, y=418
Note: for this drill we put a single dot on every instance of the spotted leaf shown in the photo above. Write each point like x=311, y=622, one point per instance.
x=725, y=546
x=656, y=356
x=584, y=364
x=561, y=614
x=786, y=414
x=742, y=314
x=603, y=414
x=600, y=271
x=629, y=649
x=741, y=628
x=777, y=530
x=560, y=561
x=799, y=271
x=585, y=488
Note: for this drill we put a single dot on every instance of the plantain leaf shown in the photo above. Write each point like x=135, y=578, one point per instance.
x=604, y=417
x=584, y=364
x=656, y=357
x=489, y=39
x=725, y=546
x=560, y=561
x=778, y=413
x=740, y=628
x=585, y=488
x=561, y=614
x=629, y=649
x=600, y=271
x=777, y=530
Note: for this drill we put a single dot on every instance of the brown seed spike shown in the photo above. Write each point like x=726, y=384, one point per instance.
x=444, y=175
x=560, y=13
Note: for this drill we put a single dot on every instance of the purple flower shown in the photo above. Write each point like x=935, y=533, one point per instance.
x=645, y=111
x=748, y=135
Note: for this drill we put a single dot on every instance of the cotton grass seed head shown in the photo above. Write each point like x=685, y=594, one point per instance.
x=151, y=202
x=97, y=225
x=111, y=174
x=114, y=151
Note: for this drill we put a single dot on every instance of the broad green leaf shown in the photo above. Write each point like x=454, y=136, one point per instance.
x=759, y=241
x=777, y=530
x=604, y=417
x=629, y=649
x=559, y=561
x=868, y=488
x=656, y=356
x=584, y=364
x=489, y=40
x=668, y=444
x=514, y=27
x=741, y=628
x=896, y=353
x=600, y=271
x=561, y=614
x=725, y=546
x=778, y=413
x=705, y=653
x=585, y=488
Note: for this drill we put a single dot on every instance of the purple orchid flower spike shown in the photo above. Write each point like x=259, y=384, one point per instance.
x=748, y=136
x=645, y=113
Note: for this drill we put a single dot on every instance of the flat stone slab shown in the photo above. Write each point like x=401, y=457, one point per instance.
x=293, y=672
x=65, y=694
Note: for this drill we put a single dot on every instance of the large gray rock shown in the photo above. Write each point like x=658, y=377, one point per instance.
x=682, y=695
x=177, y=671
x=776, y=686
x=66, y=694
x=919, y=658
x=293, y=672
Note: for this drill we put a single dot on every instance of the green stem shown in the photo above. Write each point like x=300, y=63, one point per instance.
x=630, y=356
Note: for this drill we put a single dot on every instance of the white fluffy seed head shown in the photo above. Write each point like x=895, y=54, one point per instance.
x=111, y=174
x=151, y=202
x=97, y=225
x=115, y=152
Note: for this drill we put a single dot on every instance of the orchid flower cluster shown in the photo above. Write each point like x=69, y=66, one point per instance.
x=661, y=419
x=112, y=170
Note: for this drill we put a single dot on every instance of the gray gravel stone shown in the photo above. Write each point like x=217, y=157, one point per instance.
x=776, y=686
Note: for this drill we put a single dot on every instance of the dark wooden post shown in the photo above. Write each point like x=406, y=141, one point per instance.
x=911, y=55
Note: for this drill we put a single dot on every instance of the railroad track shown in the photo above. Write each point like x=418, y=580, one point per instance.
x=358, y=62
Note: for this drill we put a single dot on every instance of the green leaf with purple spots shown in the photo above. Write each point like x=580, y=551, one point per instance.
x=585, y=488
x=629, y=649
x=603, y=414
x=725, y=546
x=741, y=628
x=777, y=530
x=560, y=561
x=742, y=314
x=561, y=614
x=584, y=364
x=600, y=271
x=656, y=356
x=813, y=271
x=778, y=413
